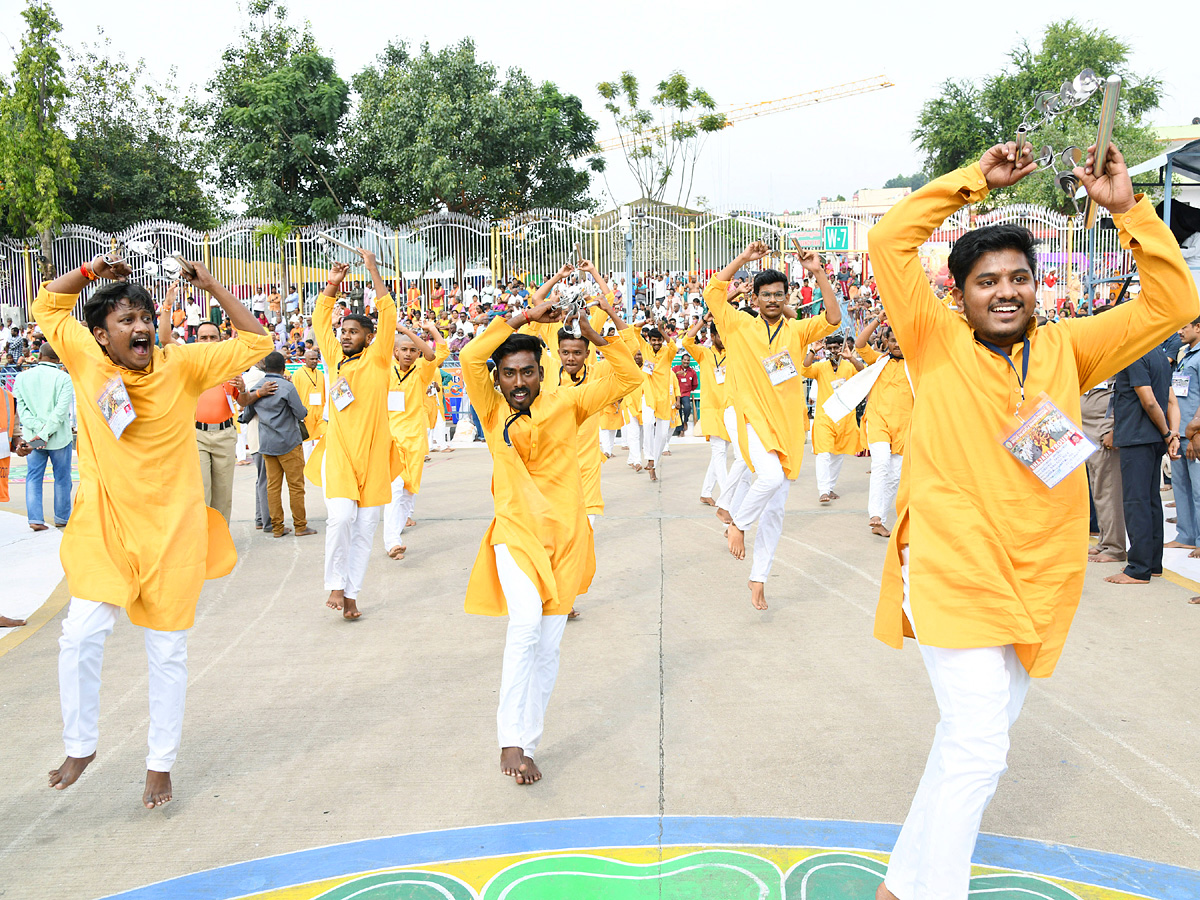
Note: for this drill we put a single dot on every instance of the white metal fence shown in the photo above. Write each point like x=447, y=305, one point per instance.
x=438, y=249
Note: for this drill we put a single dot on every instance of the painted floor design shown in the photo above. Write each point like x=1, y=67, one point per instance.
x=674, y=858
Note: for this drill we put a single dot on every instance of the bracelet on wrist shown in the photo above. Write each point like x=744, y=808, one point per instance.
x=87, y=273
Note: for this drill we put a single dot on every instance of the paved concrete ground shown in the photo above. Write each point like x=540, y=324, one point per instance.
x=675, y=697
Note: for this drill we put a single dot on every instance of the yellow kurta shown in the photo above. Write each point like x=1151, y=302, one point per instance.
x=996, y=557
x=140, y=536
x=889, y=405
x=357, y=449
x=673, y=399
x=434, y=406
x=778, y=413
x=310, y=384
x=536, y=484
x=631, y=403
x=657, y=394
x=410, y=431
x=829, y=436
x=712, y=394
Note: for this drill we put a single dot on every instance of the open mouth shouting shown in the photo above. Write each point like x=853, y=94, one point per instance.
x=140, y=348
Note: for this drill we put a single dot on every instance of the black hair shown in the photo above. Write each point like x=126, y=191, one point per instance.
x=106, y=297
x=564, y=335
x=769, y=276
x=518, y=343
x=213, y=324
x=273, y=362
x=835, y=339
x=366, y=322
x=972, y=245
x=654, y=332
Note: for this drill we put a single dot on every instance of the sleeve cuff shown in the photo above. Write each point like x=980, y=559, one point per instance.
x=974, y=182
x=1130, y=221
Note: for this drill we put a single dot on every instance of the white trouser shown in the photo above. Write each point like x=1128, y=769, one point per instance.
x=608, y=441
x=80, y=658
x=654, y=435
x=715, y=476
x=764, y=502
x=397, y=513
x=979, y=694
x=633, y=439
x=885, y=480
x=530, y=658
x=438, y=437
x=829, y=467
x=309, y=447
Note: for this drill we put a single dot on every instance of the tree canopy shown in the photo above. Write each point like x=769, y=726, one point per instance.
x=955, y=128
x=442, y=130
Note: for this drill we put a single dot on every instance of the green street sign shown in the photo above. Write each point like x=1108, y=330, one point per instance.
x=837, y=237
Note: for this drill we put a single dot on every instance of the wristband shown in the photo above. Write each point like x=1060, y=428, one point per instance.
x=87, y=273
x=525, y=313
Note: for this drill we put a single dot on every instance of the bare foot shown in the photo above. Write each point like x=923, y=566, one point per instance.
x=637, y=467
x=666, y=453
x=280, y=534
x=1122, y=578
x=573, y=614
x=1170, y=504
x=510, y=762
x=351, y=611
x=1175, y=545
x=1103, y=558
x=398, y=552
x=1195, y=601
x=880, y=530
x=650, y=469
x=708, y=501
x=833, y=496
x=306, y=532
x=411, y=523
x=737, y=541
x=38, y=526
x=758, y=595
x=68, y=773
x=882, y=893
x=529, y=771
x=6, y=622
x=724, y=516
x=447, y=449
x=336, y=599
x=825, y=498
x=1195, y=554
x=158, y=789
x=1173, y=520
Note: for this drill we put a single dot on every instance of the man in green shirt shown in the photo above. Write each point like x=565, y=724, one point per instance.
x=44, y=400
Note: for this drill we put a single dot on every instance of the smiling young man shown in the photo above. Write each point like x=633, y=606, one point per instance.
x=832, y=441
x=356, y=460
x=767, y=420
x=414, y=367
x=538, y=554
x=657, y=355
x=140, y=536
x=986, y=563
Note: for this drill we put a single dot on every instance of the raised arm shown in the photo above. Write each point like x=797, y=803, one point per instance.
x=811, y=260
x=330, y=349
x=544, y=290
x=165, y=331
x=869, y=329
x=239, y=316
x=622, y=376
x=385, y=306
x=423, y=348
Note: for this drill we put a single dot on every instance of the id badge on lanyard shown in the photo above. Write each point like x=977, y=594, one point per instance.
x=1045, y=440
x=341, y=395
x=115, y=405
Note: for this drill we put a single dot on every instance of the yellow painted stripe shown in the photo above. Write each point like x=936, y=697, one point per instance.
x=1178, y=579
x=58, y=598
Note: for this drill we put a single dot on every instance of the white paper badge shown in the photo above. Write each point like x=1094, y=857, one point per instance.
x=314, y=398
x=341, y=395
x=395, y=401
x=1179, y=384
x=648, y=368
x=780, y=367
x=116, y=406
x=719, y=374
x=1049, y=444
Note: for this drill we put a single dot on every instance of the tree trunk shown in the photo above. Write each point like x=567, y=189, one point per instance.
x=46, y=238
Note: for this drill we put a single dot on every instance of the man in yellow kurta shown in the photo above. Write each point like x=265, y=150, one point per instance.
x=412, y=372
x=631, y=418
x=537, y=555
x=356, y=461
x=140, y=536
x=657, y=355
x=310, y=383
x=889, y=413
x=767, y=419
x=986, y=562
x=832, y=441
x=711, y=361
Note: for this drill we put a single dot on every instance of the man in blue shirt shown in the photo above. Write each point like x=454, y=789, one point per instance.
x=1185, y=473
x=1146, y=425
x=44, y=399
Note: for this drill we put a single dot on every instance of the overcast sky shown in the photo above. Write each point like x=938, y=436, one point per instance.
x=739, y=52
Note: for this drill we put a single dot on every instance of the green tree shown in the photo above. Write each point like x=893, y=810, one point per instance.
x=278, y=232
x=37, y=172
x=441, y=130
x=915, y=181
x=139, y=156
x=666, y=144
x=277, y=104
x=955, y=128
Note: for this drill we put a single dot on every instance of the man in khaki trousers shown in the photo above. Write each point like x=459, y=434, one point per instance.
x=1104, y=474
x=216, y=436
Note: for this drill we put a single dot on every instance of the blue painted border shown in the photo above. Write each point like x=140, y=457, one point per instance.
x=1108, y=870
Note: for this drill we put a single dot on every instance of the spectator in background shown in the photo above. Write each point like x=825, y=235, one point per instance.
x=1146, y=425
x=216, y=436
x=17, y=345
x=44, y=396
x=292, y=302
x=1185, y=471
x=687, y=384
x=1104, y=474
x=192, y=318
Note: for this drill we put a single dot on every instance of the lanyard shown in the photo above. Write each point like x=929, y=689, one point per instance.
x=1024, y=373
x=347, y=359
x=575, y=381
x=778, y=328
x=403, y=378
x=1188, y=356
x=508, y=423
x=721, y=361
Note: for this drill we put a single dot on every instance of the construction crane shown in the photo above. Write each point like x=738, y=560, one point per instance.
x=770, y=107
